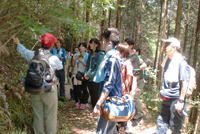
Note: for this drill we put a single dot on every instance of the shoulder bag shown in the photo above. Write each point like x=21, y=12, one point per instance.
x=118, y=109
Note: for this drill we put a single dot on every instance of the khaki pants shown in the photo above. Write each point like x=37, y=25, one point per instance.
x=45, y=108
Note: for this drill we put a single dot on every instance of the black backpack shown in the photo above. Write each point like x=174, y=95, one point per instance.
x=39, y=77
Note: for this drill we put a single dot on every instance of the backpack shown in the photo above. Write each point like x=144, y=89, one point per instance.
x=192, y=80
x=39, y=77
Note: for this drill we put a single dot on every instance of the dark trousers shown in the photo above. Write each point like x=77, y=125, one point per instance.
x=60, y=74
x=81, y=93
x=93, y=89
x=169, y=117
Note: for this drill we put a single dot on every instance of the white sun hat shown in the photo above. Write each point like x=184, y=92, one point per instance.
x=173, y=42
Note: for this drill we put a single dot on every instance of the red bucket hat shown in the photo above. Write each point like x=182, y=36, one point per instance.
x=48, y=40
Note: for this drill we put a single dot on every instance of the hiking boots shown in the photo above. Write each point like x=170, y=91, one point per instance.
x=77, y=105
x=82, y=106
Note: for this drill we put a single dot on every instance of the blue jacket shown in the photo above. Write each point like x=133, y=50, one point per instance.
x=99, y=76
x=59, y=54
x=112, y=82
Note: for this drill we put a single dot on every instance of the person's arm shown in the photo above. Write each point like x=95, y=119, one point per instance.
x=184, y=78
x=55, y=63
x=74, y=60
x=136, y=66
x=22, y=50
x=143, y=65
x=129, y=76
x=134, y=86
x=97, y=108
x=183, y=90
x=82, y=61
x=109, y=79
x=86, y=68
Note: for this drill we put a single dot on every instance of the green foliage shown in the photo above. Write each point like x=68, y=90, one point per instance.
x=149, y=96
x=151, y=74
x=66, y=131
x=60, y=103
x=22, y=113
x=196, y=101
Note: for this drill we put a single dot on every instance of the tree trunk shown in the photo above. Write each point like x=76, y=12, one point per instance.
x=109, y=17
x=195, y=109
x=82, y=38
x=134, y=23
x=186, y=122
x=59, y=27
x=119, y=14
x=158, y=37
x=72, y=42
x=186, y=29
x=196, y=40
x=193, y=117
x=102, y=25
x=178, y=19
x=169, y=20
x=191, y=46
x=161, y=49
x=88, y=18
x=134, y=19
x=76, y=39
x=197, y=123
x=139, y=24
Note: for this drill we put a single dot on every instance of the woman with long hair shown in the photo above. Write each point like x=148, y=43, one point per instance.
x=94, y=60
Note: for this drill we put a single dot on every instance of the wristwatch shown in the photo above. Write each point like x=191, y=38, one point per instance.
x=181, y=100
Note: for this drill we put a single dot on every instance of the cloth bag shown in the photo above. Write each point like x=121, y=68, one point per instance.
x=118, y=109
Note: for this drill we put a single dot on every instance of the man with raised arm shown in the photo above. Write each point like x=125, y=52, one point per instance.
x=45, y=106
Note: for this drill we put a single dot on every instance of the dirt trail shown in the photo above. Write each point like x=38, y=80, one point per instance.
x=73, y=121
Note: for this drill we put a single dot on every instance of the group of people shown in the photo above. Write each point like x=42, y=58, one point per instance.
x=110, y=69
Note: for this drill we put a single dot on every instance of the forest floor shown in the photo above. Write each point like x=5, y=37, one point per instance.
x=77, y=121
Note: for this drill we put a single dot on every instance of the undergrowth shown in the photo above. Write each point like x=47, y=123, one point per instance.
x=150, y=93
